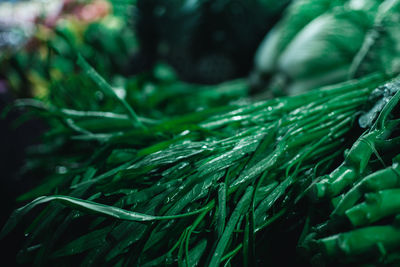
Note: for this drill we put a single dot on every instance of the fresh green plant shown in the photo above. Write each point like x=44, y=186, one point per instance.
x=362, y=225
x=194, y=189
x=290, y=57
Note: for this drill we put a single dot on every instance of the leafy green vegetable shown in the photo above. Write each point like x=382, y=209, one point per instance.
x=296, y=17
x=239, y=164
x=362, y=226
x=290, y=58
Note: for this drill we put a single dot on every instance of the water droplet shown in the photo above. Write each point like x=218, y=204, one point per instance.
x=185, y=132
x=61, y=170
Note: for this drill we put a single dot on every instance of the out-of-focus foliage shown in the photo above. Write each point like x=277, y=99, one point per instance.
x=319, y=42
x=89, y=27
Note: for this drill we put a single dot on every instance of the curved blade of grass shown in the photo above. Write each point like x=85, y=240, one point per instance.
x=107, y=89
x=90, y=207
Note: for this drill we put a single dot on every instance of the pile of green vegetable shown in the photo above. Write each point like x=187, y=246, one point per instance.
x=194, y=189
x=364, y=190
x=149, y=170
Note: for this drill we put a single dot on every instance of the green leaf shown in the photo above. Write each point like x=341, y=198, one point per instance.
x=107, y=89
x=87, y=206
x=230, y=226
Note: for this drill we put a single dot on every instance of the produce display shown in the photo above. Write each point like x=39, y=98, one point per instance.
x=299, y=159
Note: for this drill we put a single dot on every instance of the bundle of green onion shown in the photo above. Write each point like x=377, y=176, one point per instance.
x=364, y=190
x=197, y=189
